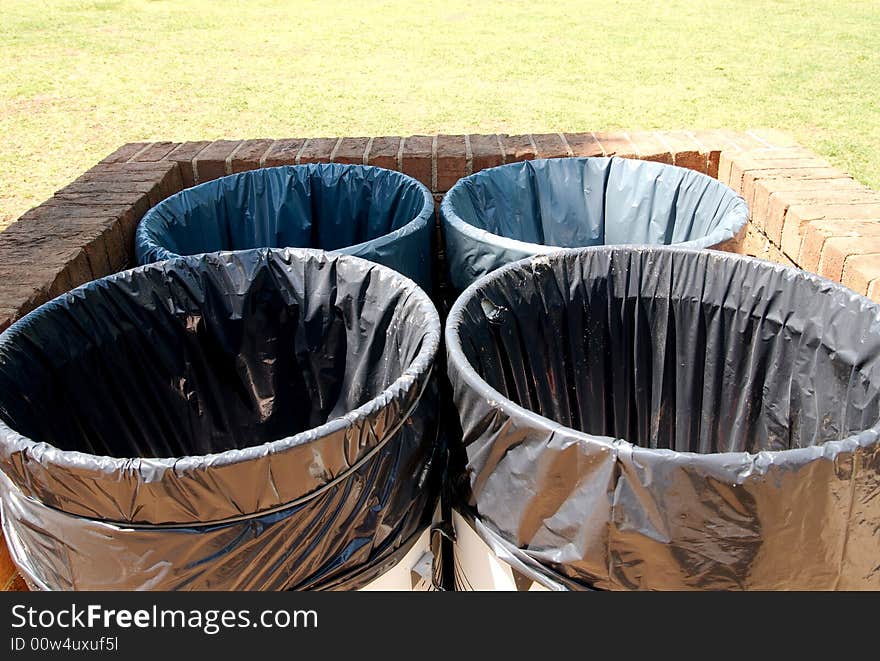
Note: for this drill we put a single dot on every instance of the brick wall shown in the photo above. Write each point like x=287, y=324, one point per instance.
x=808, y=214
x=803, y=211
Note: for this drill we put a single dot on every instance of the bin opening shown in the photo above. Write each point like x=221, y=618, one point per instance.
x=195, y=358
x=582, y=202
x=328, y=207
x=697, y=354
x=263, y=419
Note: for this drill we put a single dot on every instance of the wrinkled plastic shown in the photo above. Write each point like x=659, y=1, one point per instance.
x=503, y=214
x=374, y=213
x=253, y=420
x=656, y=418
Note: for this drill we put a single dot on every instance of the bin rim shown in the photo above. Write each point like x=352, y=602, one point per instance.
x=144, y=242
x=414, y=376
x=496, y=399
x=449, y=215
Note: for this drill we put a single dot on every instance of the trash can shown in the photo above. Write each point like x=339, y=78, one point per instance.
x=503, y=214
x=660, y=418
x=263, y=419
x=374, y=213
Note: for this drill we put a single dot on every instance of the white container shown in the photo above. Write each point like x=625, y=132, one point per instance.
x=478, y=568
x=412, y=574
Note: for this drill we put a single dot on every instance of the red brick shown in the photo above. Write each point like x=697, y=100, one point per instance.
x=318, y=150
x=517, y=148
x=52, y=256
x=778, y=154
x=107, y=182
x=584, y=144
x=351, y=151
x=839, y=251
x=816, y=232
x=119, y=247
x=76, y=270
x=97, y=257
x=24, y=297
x=38, y=231
x=416, y=158
x=170, y=182
x=88, y=198
x=615, y=143
x=742, y=163
x=128, y=216
x=115, y=185
x=77, y=239
x=485, y=152
x=758, y=185
x=734, y=162
x=183, y=155
x=211, y=162
x=282, y=152
x=798, y=214
x=874, y=290
x=27, y=246
x=860, y=271
x=136, y=172
x=113, y=192
x=550, y=145
x=61, y=284
x=773, y=137
x=249, y=155
x=686, y=151
x=714, y=142
x=451, y=161
x=725, y=169
x=7, y=316
x=648, y=147
x=59, y=211
x=789, y=236
x=384, y=152
x=125, y=152
x=755, y=244
x=155, y=152
x=743, y=141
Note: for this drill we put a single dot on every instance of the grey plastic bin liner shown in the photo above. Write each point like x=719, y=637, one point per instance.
x=503, y=214
x=374, y=213
x=638, y=418
x=263, y=419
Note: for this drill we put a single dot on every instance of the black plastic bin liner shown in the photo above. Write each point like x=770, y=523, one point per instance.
x=673, y=419
x=263, y=419
x=380, y=215
x=503, y=214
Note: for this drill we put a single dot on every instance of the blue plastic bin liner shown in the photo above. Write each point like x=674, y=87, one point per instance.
x=658, y=418
x=374, y=213
x=503, y=214
x=262, y=419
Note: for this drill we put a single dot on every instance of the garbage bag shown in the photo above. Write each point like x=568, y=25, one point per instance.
x=656, y=418
x=503, y=214
x=262, y=419
x=374, y=213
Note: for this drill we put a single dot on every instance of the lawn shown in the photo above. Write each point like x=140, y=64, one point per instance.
x=79, y=78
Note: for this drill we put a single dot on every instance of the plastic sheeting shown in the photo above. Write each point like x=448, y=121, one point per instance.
x=252, y=420
x=503, y=214
x=656, y=418
x=369, y=212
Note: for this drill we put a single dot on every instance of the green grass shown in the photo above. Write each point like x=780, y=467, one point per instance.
x=78, y=79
